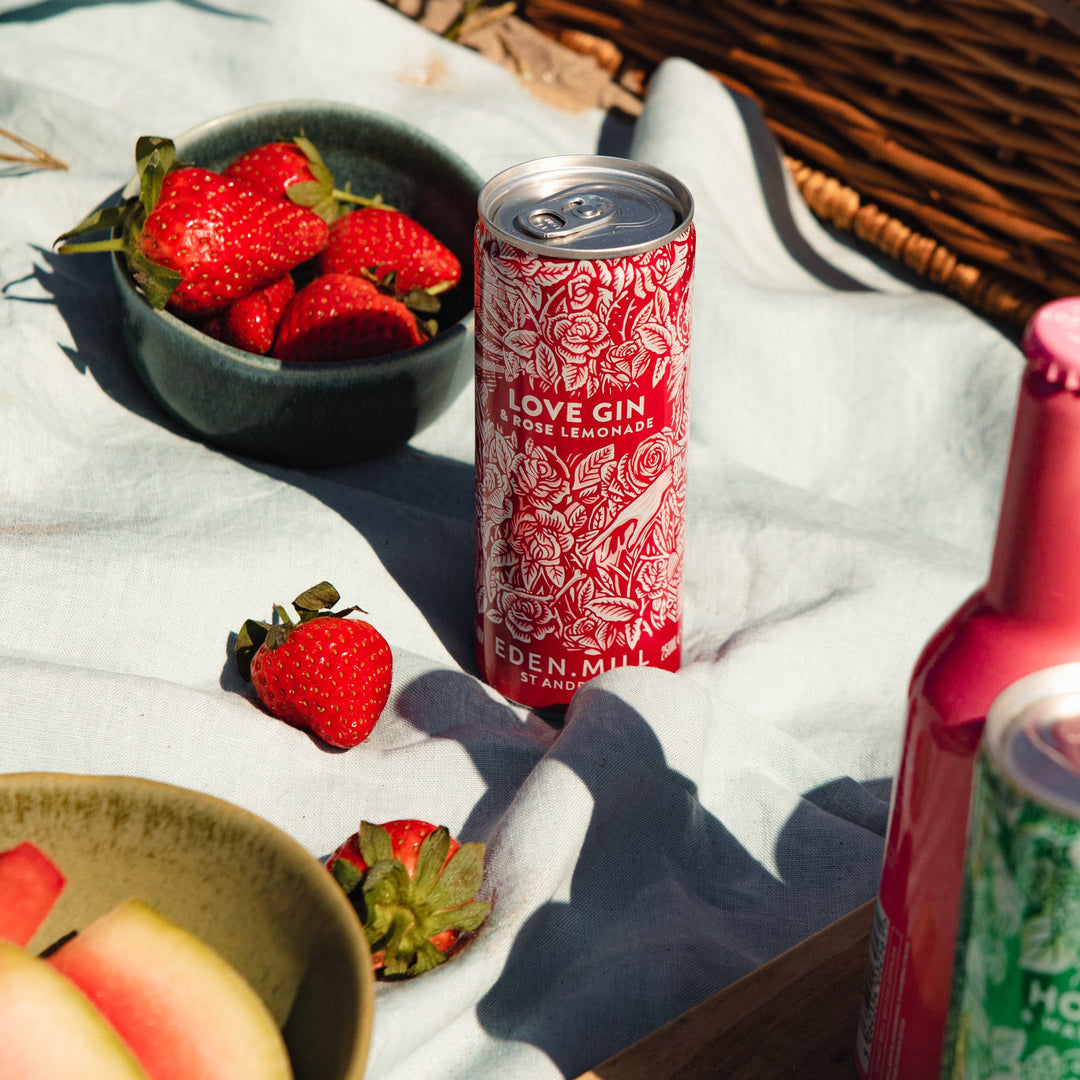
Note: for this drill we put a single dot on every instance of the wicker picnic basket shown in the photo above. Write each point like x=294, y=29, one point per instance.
x=946, y=133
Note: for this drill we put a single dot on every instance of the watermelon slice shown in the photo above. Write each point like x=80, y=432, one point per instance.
x=30, y=883
x=186, y=1013
x=48, y=1030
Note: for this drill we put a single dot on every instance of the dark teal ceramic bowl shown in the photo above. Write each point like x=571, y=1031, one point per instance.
x=310, y=415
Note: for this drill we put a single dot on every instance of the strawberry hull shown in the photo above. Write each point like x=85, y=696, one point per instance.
x=406, y=837
x=582, y=372
x=415, y=889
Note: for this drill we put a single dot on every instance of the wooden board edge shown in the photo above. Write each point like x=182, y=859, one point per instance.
x=825, y=968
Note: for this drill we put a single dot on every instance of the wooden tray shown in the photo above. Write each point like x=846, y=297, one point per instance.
x=795, y=1016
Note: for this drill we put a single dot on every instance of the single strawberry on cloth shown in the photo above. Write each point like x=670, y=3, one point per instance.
x=848, y=434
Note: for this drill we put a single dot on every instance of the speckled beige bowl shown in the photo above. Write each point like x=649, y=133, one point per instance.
x=235, y=880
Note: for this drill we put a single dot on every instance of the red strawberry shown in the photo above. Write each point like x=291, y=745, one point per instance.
x=341, y=317
x=383, y=240
x=195, y=240
x=415, y=889
x=296, y=170
x=251, y=322
x=328, y=673
x=273, y=167
x=225, y=239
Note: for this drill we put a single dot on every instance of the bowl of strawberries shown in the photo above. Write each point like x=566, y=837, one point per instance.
x=295, y=279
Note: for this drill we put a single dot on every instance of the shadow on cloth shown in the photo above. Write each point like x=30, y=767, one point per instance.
x=84, y=294
x=773, y=178
x=46, y=9
x=435, y=568
x=663, y=898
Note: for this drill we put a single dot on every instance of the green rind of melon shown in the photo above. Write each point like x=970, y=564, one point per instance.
x=183, y=1010
x=30, y=883
x=49, y=1030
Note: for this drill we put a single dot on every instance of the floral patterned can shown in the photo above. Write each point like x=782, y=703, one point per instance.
x=584, y=274
x=1015, y=1009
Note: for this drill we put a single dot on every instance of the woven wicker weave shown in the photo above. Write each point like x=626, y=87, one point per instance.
x=944, y=132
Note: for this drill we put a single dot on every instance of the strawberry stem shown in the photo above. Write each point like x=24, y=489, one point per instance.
x=347, y=196
x=89, y=247
x=320, y=194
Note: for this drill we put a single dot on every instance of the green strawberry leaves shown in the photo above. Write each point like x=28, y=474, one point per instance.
x=460, y=880
x=157, y=282
x=465, y=918
x=310, y=604
x=155, y=158
x=429, y=864
x=318, y=600
x=108, y=217
x=320, y=194
x=317, y=194
x=401, y=914
x=375, y=843
x=346, y=874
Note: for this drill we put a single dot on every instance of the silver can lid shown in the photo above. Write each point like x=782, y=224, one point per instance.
x=1033, y=736
x=585, y=207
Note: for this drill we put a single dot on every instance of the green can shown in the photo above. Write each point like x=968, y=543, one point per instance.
x=1015, y=1007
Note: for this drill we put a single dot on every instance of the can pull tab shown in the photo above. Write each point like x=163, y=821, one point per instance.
x=559, y=220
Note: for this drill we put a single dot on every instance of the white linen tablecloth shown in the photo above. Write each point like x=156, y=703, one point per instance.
x=849, y=435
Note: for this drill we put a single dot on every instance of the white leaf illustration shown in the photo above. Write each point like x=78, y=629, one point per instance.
x=615, y=609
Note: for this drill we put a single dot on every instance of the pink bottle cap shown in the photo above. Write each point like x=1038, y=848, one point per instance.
x=1052, y=342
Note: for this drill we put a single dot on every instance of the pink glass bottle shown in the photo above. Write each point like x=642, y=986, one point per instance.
x=1026, y=617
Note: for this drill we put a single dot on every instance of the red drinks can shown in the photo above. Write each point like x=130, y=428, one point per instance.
x=584, y=274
